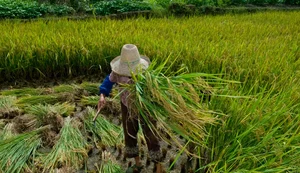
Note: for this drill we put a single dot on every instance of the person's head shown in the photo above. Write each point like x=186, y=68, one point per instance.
x=130, y=61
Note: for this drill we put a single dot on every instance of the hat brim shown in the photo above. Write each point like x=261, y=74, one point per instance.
x=126, y=69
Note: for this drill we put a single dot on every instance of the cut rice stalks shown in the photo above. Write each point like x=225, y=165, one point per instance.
x=23, y=92
x=38, y=99
x=91, y=88
x=112, y=106
x=8, y=131
x=8, y=108
x=18, y=151
x=109, y=165
x=108, y=133
x=64, y=109
x=69, y=151
x=174, y=101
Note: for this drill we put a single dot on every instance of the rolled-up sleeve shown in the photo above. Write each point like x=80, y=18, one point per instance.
x=106, y=86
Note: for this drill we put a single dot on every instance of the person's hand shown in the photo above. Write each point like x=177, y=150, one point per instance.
x=101, y=102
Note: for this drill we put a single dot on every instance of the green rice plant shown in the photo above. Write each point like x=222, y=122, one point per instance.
x=64, y=109
x=70, y=149
x=18, y=151
x=38, y=99
x=91, y=88
x=8, y=131
x=64, y=89
x=7, y=104
x=50, y=114
x=22, y=92
x=108, y=133
x=173, y=99
x=89, y=100
x=108, y=165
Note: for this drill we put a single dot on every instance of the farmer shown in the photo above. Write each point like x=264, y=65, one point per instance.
x=131, y=62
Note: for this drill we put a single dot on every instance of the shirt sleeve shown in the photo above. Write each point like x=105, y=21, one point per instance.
x=106, y=86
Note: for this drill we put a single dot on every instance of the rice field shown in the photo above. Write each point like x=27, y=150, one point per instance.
x=257, y=116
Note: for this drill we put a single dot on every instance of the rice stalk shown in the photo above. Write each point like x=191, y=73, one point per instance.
x=7, y=105
x=65, y=89
x=22, y=92
x=89, y=100
x=38, y=99
x=108, y=165
x=18, y=151
x=108, y=133
x=91, y=88
x=174, y=101
x=39, y=110
x=70, y=149
x=8, y=131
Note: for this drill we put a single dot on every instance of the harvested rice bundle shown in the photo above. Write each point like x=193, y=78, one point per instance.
x=69, y=151
x=23, y=92
x=8, y=108
x=8, y=131
x=65, y=88
x=109, y=165
x=112, y=106
x=50, y=115
x=64, y=109
x=174, y=101
x=38, y=99
x=91, y=88
x=16, y=152
x=108, y=133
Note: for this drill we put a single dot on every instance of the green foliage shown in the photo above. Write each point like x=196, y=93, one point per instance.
x=117, y=6
x=30, y=9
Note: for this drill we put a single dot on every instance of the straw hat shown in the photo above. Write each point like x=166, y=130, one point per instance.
x=130, y=61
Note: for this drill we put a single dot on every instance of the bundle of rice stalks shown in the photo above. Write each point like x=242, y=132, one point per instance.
x=173, y=99
x=25, y=123
x=8, y=131
x=69, y=151
x=112, y=105
x=108, y=133
x=64, y=109
x=91, y=88
x=65, y=88
x=18, y=151
x=22, y=92
x=38, y=99
x=108, y=165
x=8, y=108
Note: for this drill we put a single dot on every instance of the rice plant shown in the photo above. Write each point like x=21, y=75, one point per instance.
x=8, y=107
x=91, y=88
x=8, y=131
x=70, y=149
x=38, y=99
x=22, y=92
x=18, y=151
x=174, y=100
x=108, y=133
x=108, y=165
x=40, y=110
x=64, y=89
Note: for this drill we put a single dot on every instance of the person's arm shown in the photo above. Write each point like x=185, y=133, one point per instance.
x=104, y=90
x=106, y=86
